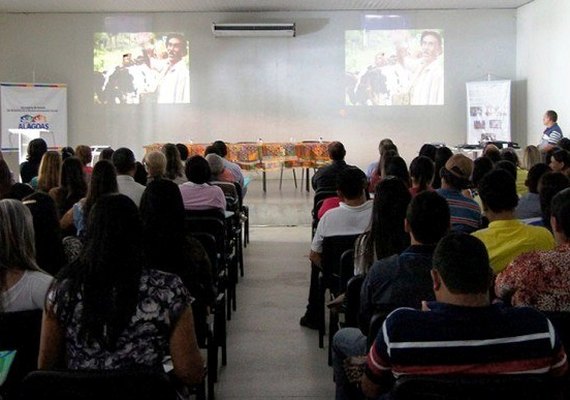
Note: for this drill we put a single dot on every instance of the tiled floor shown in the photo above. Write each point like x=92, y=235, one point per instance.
x=269, y=355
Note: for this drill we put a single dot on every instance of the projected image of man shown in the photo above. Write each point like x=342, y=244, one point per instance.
x=174, y=80
x=427, y=85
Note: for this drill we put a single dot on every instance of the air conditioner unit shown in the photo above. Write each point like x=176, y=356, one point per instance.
x=253, y=30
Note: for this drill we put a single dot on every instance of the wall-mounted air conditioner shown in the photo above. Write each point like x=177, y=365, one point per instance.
x=253, y=30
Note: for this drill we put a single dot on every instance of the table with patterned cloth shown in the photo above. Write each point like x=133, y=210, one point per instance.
x=254, y=156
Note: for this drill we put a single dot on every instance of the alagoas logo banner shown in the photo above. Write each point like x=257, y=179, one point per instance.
x=38, y=121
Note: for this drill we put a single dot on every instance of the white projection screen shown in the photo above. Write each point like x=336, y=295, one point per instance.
x=141, y=67
x=394, y=67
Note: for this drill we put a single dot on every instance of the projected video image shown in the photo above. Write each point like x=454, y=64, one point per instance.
x=142, y=67
x=394, y=67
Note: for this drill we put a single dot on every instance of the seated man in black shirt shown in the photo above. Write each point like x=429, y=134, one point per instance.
x=325, y=177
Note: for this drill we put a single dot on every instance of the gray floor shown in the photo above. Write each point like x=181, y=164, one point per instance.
x=269, y=355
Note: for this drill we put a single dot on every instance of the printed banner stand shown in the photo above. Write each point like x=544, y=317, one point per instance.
x=30, y=111
x=488, y=111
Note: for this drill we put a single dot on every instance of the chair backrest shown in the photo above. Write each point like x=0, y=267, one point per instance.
x=230, y=192
x=97, y=385
x=479, y=387
x=346, y=268
x=214, y=225
x=333, y=247
x=20, y=331
x=375, y=323
x=320, y=196
x=561, y=322
x=352, y=300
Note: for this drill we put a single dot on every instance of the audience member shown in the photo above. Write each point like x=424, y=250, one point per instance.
x=531, y=157
x=560, y=161
x=428, y=150
x=507, y=166
x=421, y=173
x=219, y=172
x=481, y=166
x=22, y=285
x=529, y=204
x=29, y=168
x=103, y=181
x=140, y=176
x=174, y=166
x=509, y=154
x=442, y=154
x=328, y=204
x=9, y=189
x=85, y=155
x=183, y=150
x=492, y=152
x=548, y=186
x=197, y=193
x=506, y=237
x=47, y=233
x=67, y=152
x=541, y=279
x=386, y=235
x=106, y=311
x=389, y=151
x=106, y=154
x=124, y=161
x=72, y=186
x=374, y=165
x=472, y=335
x=352, y=217
x=155, y=164
x=465, y=212
x=48, y=174
x=564, y=144
x=552, y=134
x=325, y=177
x=401, y=280
x=222, y=151
x=396, y=166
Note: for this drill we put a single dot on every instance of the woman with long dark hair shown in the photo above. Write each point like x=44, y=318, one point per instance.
x=386, y=235
x=107, y=311
x=421, y=173
x=72, y=186
x=442, y=154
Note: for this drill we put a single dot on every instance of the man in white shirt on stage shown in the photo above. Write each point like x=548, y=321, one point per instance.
x=174, y=80
x=427, y=85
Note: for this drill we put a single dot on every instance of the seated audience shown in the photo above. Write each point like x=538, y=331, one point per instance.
x=428, y=150
x=529, y=204
x=507, y=166
x=481, y=166
x=564, y=144
x=29, y=168
x=174, y=166
x=325, y=177
x=67, y=152
x=396, y=166
x=47, y=233
x=106, y=311
x=85, y=155
x=548, y=186
x=140, y=173
x=155, y=164
x=22, y=285
x=389, y=151
x=352, y=217
x=221, y=149
x=219, y=172
x=421, y=173
x=455, y=175
x=197, y=193
x=328, y=204
x=401, y=280
x=103, y=181
x=442, y=154
x=560, y=161
x=531, y=157
x=492, y=152
x=506, y=237
x=509, y=154
x=374, y=165
x=106, y=154
x=48, y=173
x=9, y=189
x=183, y=150
x=124, y=161
x=541, y=279
x=72, y=186
x=472, y=335
x=386, y=235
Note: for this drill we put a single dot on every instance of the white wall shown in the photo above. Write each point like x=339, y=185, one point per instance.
x=543, y=60
x=245, y=88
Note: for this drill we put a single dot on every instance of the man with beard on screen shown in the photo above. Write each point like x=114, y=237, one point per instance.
x=427, y=85
x=174, y=80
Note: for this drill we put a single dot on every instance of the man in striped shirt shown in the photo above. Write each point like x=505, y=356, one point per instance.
x=462, y=332
x=552, y=134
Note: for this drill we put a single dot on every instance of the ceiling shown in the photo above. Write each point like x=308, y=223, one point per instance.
x=91, y=6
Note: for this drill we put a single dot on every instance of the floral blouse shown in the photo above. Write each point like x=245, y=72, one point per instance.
x=145, y=342
x=538, y=279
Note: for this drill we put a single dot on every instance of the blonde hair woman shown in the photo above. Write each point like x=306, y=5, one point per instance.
x=155, y=165
x=531, y=157
x=22, y=285
x=48, y=175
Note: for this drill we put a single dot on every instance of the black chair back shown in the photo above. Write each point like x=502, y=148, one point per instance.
x=98, y=385
x=561, y=322
x=352, y=300
x=479, y=387
x=333, y=248
x=20, y=331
